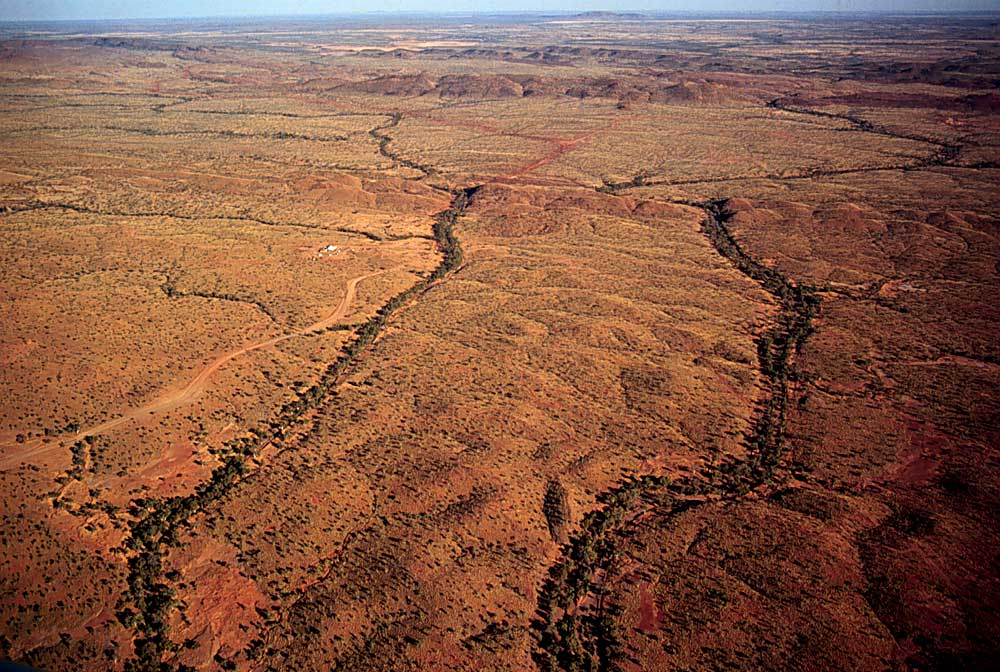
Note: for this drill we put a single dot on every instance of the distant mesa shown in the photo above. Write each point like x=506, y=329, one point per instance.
x=599, y=14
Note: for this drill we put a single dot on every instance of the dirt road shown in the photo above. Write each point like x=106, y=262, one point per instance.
x=15, y=453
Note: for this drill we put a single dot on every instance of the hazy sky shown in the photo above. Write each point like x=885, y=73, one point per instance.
x=118, y=9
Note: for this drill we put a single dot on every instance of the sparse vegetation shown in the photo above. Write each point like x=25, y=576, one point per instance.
x=708, y=380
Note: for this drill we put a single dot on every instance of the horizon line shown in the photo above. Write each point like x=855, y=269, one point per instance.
x=624, y=13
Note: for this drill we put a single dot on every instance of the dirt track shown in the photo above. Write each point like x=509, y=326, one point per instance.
x=172, y=398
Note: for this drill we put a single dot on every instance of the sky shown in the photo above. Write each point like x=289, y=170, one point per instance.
x=12, y=10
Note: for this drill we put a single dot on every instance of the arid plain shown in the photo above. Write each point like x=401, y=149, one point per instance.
x=593, y=342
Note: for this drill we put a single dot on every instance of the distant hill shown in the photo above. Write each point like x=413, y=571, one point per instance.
x=608, y=15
